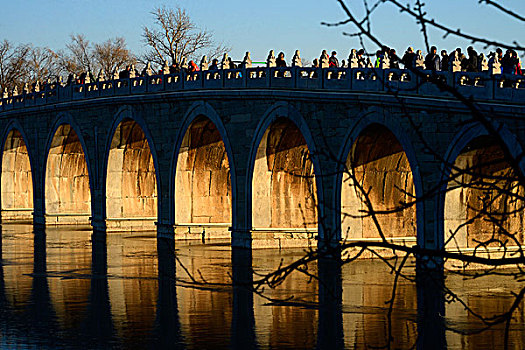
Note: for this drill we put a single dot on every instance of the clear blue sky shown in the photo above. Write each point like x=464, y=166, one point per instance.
x=257, y=26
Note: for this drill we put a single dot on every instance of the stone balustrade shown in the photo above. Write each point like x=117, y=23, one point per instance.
x=480, y=86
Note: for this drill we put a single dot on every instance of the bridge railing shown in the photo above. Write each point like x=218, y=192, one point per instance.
x=480, y=86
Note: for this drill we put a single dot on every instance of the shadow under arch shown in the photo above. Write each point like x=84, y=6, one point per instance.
x=471, y=137
x=65, y=134
x=205, y=113
x=371, y=119
x=17, y=175
x=281, y=112
x=126, y=221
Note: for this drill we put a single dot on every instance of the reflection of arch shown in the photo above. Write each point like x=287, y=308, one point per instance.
x=282, y=130
x=474, y=150
x=130, y=171
x=204, y=113
x=404, y=143
x=67, y=174
x=17, y=176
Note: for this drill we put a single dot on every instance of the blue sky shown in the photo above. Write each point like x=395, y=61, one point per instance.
x=257, y=26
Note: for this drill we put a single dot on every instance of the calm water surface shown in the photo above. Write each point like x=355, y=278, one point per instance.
x=54, y=293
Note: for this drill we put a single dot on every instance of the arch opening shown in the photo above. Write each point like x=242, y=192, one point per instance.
x=483, y=202
x=17, y=180
x=131, y=183
x=67, y=192
x=203, y=195
x=284, y=192
x=378, y=165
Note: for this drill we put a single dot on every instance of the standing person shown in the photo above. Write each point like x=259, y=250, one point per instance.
x=499, y=53
x=377, y=62
x=462, y=59
x=432, y=60
x=71, y=78
x=192, y=67
x=518, y=64
x=408, y=58
x=280, y=61
x=324, y=60
x=315, y=63
x=231, y=63
x=174, y=68
x=506, y=65
x=123, y=74
x=394, y=60
x=444, y=60
x=509, y=63
x=472, y=60
x=361, y=61
x=82, y=78
x=214, y=64
x=333, y=62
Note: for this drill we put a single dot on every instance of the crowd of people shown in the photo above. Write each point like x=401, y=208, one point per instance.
x=386, y=58
x=509, y=63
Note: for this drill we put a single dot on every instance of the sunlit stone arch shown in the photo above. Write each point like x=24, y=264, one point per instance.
x=283, y=111
x=204, y=112
x=405, y=138
x=461, y=140
x=123, y=221
x=17, y=181
x=59, y=177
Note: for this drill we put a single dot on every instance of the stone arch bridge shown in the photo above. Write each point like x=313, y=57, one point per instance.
x=258, y=155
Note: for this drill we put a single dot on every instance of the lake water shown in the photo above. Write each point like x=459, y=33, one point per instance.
x=55, y=293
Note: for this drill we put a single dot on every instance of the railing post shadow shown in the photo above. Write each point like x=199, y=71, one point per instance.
x=330, y=321
x=98, y=217
x=243, y=320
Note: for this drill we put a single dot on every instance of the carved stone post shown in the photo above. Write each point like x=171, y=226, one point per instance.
x=204, y=63
x=296, y=60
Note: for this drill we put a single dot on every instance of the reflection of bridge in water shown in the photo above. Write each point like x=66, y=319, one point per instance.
x=55, y=293
x=257, y=155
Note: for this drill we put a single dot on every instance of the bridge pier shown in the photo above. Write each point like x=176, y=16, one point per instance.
x=98, y=211
x=241, y=229
x=39, y=217
x=429, y=216
x=329, y=214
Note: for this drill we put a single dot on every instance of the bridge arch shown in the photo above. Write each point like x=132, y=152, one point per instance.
x=476, y=168
x=17, y=192
x=392, y=163
x=203, y=152
x=67, y=174
x=130, y=176
x=283, y=129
